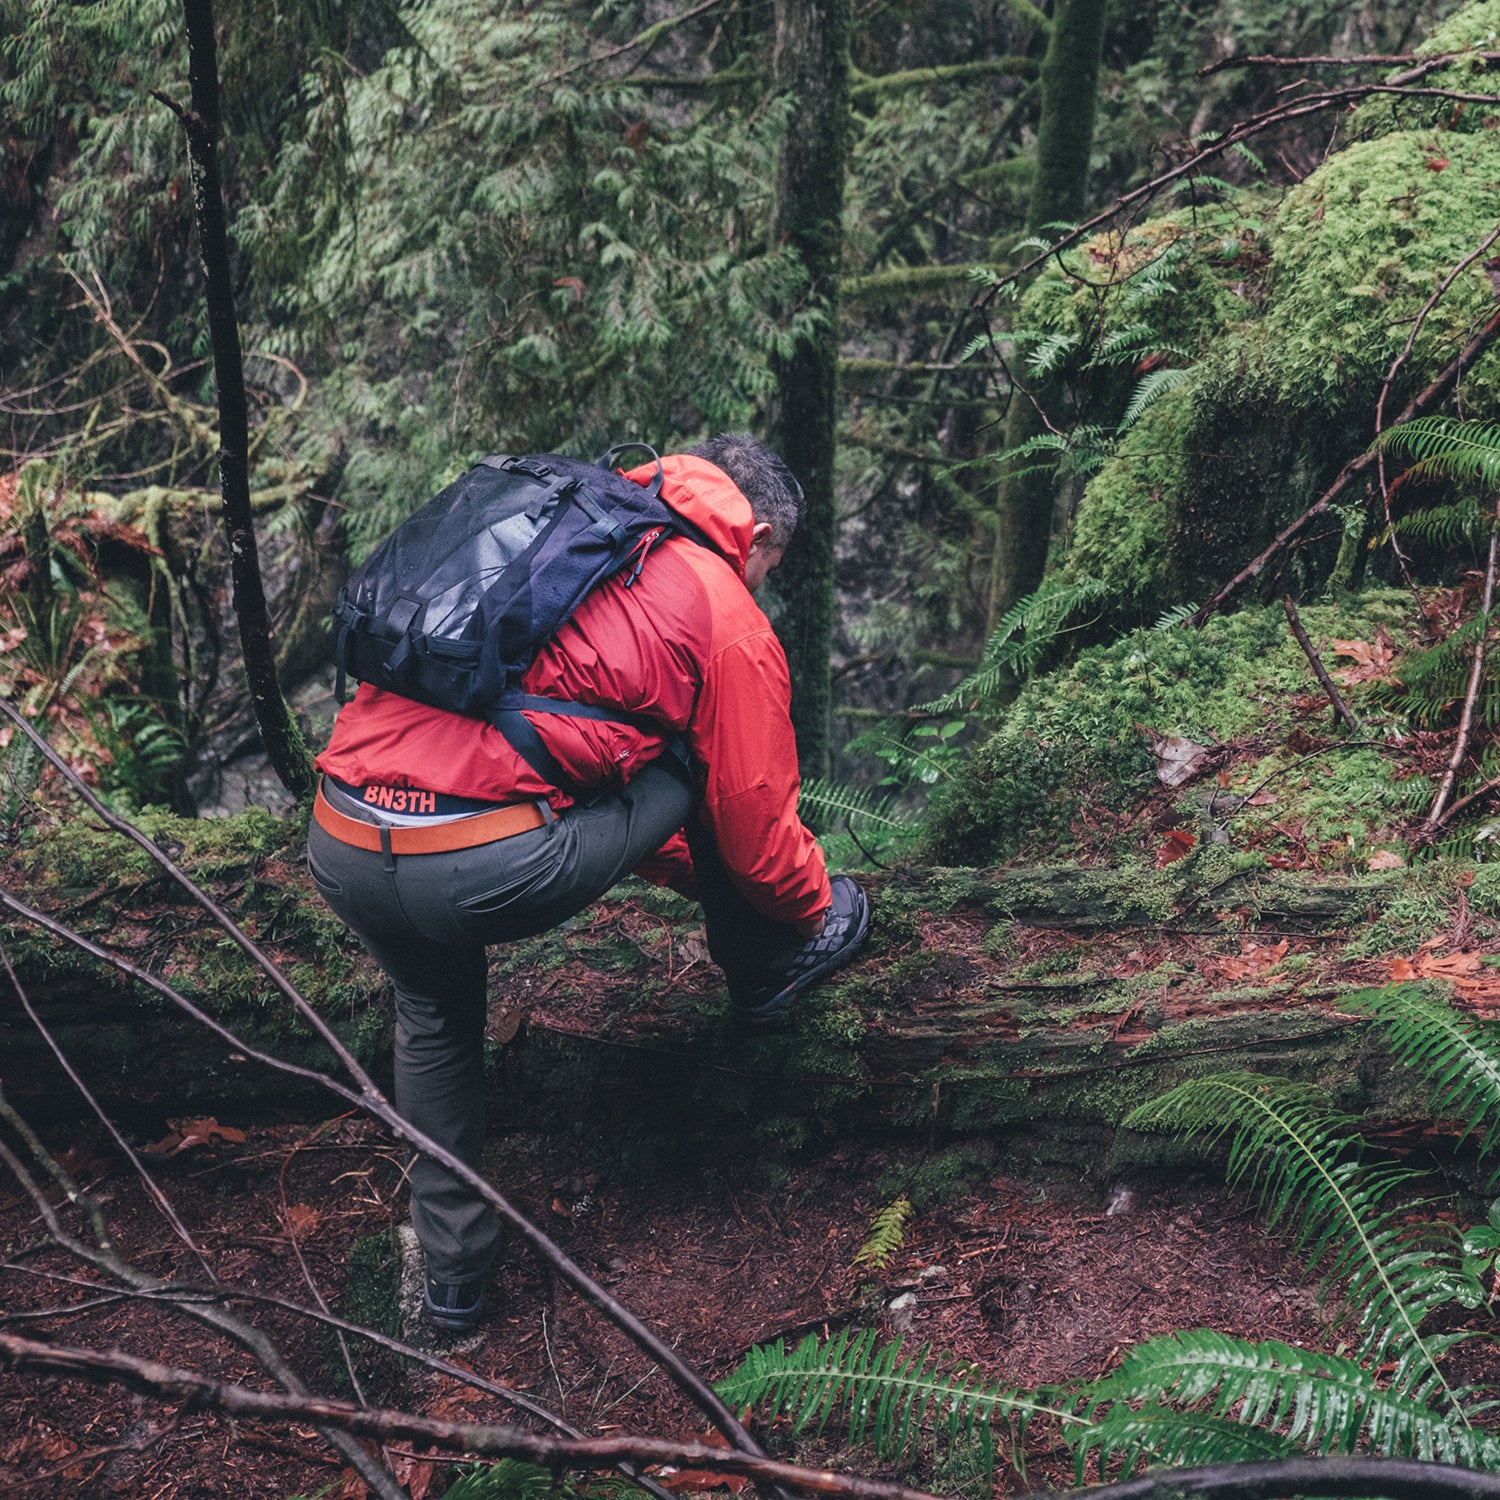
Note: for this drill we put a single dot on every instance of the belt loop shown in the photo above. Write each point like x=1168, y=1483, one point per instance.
x=385, y=849
x=544, y=807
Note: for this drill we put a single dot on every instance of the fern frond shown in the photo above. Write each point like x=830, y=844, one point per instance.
x=1447, y=447
x=1304, y=1160
x=1459, y=1057
x=1051, y=353
x=837, y=802
x=887, y=1235
x=1323, y=1403
x=1170, y=619
x=1161, y=1435
x=1149, y=389
x=880, y=1393
x=1444, y=525
x=1019, y=640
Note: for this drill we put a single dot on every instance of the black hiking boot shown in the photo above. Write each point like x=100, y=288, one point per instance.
x=453, y=1306
x=763, y=999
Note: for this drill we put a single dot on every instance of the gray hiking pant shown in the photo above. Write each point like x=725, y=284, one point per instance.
x=427, y=918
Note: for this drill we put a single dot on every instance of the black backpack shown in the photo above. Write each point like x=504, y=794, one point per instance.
x=452, y=608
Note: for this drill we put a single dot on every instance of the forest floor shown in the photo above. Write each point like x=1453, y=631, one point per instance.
x=721, y=1187
x=1035, y=1277
x=1034, y=1282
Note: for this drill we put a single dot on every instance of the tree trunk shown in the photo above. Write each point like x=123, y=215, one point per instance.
x=283, y=740
x=811, y=63
x=1065, y=136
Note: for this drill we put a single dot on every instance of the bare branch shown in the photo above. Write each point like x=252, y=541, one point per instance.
x=1422, y=402
x=1390, y=376
x=647, y=37
x=1471, y=693
x=189, y=1388
x=249, y=1338
x=1395, y=1478
x=1360, y=60
x=1308, y=104
x=1319, y=670
x=157, y=1195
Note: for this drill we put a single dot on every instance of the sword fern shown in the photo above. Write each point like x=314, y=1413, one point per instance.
x=1460, y=1057
x=884, y=1395
x=1232, y=1400
x=1309, y=1168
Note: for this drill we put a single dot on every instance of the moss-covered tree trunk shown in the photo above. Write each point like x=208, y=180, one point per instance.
x=811, y=63
x=1065, y=136
x=283, y=741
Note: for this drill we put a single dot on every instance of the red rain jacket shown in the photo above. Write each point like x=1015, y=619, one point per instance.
x=686, y=645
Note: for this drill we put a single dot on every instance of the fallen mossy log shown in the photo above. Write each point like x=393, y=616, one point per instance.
x=1069, y=896
x=1006, y=1004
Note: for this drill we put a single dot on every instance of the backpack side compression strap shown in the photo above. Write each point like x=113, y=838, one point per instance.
x=530, y=746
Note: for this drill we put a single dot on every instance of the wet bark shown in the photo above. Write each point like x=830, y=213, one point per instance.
x=1065, y=135
x=811, y=63
x=278, y=730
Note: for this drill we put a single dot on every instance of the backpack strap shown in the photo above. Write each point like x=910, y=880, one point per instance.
x=529, y=745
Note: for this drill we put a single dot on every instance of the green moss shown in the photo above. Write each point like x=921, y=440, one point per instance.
x=1417, y=906
x=1120, y=533
x=944, y=1176
x=1072, y=736
x=1290, y=356
x=1484, y=891
x=372, y=1297
x=1473, y=27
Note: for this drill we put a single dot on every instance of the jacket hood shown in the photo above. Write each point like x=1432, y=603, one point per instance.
x=702, y=493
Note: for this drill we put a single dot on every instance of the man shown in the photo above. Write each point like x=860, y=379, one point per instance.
x=434, y=836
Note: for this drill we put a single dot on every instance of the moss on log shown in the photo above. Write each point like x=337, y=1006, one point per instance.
x=1022, y=1005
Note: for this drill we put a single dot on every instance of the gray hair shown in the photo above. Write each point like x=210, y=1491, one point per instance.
x=762, y=478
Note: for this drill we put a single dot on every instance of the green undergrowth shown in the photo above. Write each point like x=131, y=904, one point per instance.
x=1073, y=739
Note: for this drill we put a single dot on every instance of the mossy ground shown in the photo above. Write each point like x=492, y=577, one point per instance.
x=1070, y=766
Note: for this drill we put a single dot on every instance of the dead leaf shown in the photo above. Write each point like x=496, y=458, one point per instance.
x=504, y=1024
x=300, y=1219
x=185, y=1134
x=1372, y=660
x=1254, y=959
x=1436, y=163
x=1386, y=859
x=680, y=1481
x=574, y=284
x=1178, y=759
x=415, y=1474
x=1178, y=843
x=1466, y=972
x=559, y=1207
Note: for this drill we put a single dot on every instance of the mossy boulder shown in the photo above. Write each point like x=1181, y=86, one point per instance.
x=1075, y=735
x=1327, y=284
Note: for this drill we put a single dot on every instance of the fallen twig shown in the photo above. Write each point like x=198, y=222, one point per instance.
x=367, y=1096
x=1319, y=670
x=1471, y=694
x=113, y=1367
x=255, y=1342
